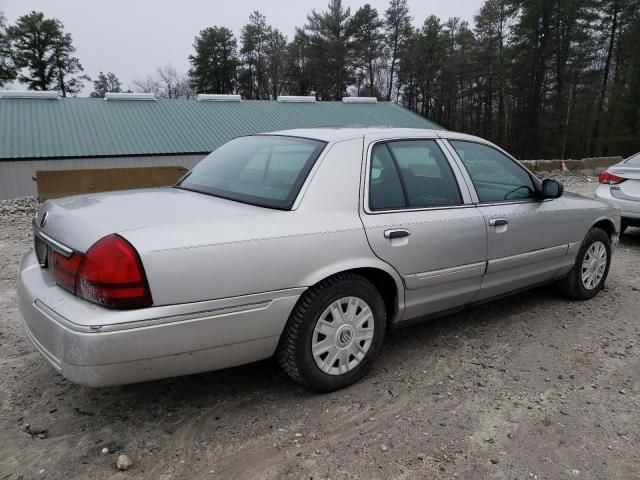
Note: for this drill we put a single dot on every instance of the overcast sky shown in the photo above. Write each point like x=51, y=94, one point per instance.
x=131, y=38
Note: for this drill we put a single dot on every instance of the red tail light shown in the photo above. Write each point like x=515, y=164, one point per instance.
x=64, y=269
x=610, y=178
x=109, y=274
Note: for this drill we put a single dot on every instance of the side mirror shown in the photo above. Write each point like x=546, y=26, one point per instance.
x=551, y=189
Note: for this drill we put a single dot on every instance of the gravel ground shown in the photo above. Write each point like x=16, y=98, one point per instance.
x=528, y=387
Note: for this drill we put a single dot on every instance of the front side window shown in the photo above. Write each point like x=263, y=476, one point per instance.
x=263, y=170
x=496, y=177
x=411, y=174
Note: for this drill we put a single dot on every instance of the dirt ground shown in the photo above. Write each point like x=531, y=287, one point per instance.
x=529, y=387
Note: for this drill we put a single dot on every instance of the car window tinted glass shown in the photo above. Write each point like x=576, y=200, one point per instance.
x=495, y=176
x=427, y=175
x=385, y=188
x=262, y=170
x=634, y=160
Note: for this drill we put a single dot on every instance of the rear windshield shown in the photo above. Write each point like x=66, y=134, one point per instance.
x=264, y=170
x=634, y=160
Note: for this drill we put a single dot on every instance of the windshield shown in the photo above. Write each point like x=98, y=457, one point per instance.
x=633, y=160
x=263, y=170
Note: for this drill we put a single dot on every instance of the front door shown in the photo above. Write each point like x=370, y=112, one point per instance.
x=419, y=218
x=528, y=238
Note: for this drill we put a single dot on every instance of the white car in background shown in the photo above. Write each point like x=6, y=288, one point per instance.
x=620, y=186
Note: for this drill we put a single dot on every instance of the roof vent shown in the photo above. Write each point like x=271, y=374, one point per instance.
x=46, y=94
x=129, y=96
x=215, y=97
x=359, y=100
x=296, y=99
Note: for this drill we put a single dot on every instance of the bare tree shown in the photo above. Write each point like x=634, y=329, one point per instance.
x=147, y=84
x=166, y=82
x=172, y=83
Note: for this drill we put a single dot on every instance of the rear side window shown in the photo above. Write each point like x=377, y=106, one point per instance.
x=411, y=174
x=385, y=187
x=496, y=177
x=264, y=170
x=427, y=175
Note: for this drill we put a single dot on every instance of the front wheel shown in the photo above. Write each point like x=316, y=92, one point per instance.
x=590, y=271
x=334, y=333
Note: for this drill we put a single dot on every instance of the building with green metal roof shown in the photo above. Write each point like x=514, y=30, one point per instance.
x=46, y=132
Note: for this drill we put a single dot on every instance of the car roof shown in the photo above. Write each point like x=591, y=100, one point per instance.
x=337, y=134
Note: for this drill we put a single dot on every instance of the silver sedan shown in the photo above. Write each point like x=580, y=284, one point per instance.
x=620, y=186
x=306, y=244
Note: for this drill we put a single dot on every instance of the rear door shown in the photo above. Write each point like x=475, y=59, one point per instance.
x=419, y=217
x=527, y=238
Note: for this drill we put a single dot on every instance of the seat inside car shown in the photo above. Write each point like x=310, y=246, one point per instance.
x=386, y=191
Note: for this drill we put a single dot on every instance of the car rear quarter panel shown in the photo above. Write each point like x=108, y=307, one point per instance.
x=583, y=213
x=276, y=250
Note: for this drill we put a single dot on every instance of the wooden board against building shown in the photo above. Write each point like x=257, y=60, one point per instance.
x=62, y=183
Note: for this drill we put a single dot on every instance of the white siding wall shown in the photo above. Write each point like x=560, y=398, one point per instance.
x=16, y=175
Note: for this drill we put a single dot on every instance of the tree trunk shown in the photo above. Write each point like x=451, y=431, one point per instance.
x=616, y=88
x=392, y=68
x=605, y=79
x=538, y=86
x=488, y=127
x=502, y=136
x=568, y=115
x=371, y=92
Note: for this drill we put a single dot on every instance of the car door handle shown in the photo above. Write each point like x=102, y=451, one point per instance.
x=498, y=222
x=397, y=233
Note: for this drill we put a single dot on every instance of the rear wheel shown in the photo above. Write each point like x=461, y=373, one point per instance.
x=334, y=333
x=590, y=271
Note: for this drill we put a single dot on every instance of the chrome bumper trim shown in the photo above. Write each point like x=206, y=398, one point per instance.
x=59, y=247
x=195, y=316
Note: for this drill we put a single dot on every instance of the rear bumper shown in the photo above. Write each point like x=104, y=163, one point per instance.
x=630, y=210
x=97, y=347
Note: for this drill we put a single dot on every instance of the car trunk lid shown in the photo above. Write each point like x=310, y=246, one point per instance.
x=78, y=222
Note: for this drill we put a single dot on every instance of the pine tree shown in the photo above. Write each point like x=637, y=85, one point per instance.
x=276, y=62
x=330, y=49
x=67, y=77
x=398, y=30
x=254, y=41
x=611, y=25
x=492, y=33
x=46, y=53
x=300, y=65
x=106, y=83
x=365, y=29
x=543, y=78
x=215, y=61
x=8, y=71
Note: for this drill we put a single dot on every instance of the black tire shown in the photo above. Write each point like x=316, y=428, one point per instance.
x=623, y=228
x=294, y=352
x=572, y=285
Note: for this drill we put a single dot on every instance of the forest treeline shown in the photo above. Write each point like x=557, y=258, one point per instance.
x=542, y=78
